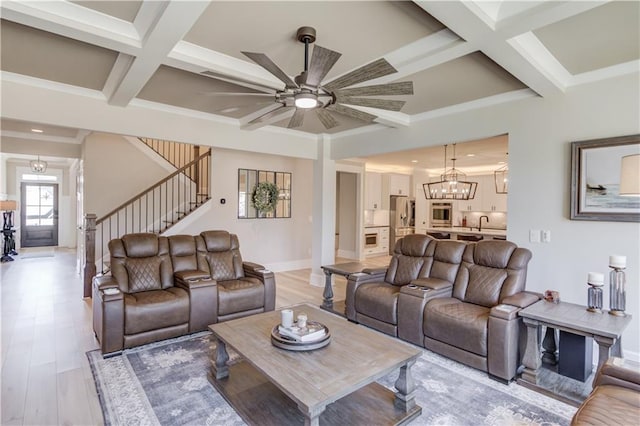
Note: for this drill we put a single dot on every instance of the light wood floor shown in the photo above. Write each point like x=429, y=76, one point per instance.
x=47, y=329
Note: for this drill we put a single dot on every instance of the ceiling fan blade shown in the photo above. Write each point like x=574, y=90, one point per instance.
x=326, y=118
x=401, y=88
x=387, y=104
x=270, y=114
x=278, y=114
x=352, y=112
x=322, y=60
x=297, y=119
x=370, y=71
x=266, y=63
x=238, y=94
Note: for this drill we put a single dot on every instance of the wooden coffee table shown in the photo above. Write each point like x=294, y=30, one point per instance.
x=331, y=385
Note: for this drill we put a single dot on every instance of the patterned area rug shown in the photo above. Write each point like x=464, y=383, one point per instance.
x=166, y=383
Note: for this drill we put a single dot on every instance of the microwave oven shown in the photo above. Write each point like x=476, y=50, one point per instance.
x=441, y=214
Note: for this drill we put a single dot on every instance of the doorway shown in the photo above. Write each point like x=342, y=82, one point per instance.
x=39, y=214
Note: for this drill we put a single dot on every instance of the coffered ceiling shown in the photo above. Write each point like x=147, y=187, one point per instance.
x=177, y=55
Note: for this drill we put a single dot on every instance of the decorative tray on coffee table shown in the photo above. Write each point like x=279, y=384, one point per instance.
x=289, y=343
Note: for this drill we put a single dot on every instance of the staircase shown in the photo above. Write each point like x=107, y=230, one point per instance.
x=156, y=209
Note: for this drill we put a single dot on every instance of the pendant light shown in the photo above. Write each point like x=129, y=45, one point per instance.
x=452, y=185
x=38, y=166
x=501, y=178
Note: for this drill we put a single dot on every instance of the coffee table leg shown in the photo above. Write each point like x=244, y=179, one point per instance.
x=531, y=358
x=405, y=397
x=219, y=366
x=312, y=418
x=328, y=291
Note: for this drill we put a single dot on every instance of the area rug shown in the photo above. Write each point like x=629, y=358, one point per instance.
x=166, y=384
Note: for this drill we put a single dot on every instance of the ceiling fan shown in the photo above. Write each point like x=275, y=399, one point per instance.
x=306, y=92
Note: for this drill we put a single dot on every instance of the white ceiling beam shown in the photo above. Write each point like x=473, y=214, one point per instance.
x=77, y=22
x=172, y=22
x=469, y=22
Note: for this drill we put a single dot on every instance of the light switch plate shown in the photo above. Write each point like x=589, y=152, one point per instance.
x=534, y=235
x=546, y=236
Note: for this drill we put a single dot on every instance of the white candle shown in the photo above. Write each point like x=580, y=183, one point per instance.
x=616, y=261
x=287, y=317
x=595, y=278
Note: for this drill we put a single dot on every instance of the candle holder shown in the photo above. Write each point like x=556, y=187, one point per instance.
x=594, y=293
x=617, y=279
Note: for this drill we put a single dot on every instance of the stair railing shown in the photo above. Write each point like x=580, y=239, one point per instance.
x=154, y=210
x=177, y=154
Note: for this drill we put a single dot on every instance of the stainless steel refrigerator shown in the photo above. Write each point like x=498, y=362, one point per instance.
x=400, y=219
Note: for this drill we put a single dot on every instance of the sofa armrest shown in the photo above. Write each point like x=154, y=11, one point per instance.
x=268, y=278
x=616, y=371
x=432, y=283
x=203, y=297
x=522, y=299
x=354, y=281
x=108, y=314
x=375, y=271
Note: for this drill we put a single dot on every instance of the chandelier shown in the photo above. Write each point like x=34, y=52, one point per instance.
x=452, y=185
x=501, y=178
x=38, y=166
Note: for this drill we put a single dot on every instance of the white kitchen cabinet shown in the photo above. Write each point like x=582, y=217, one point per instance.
x=373, y=191
x=399, y=184
x=486, y=199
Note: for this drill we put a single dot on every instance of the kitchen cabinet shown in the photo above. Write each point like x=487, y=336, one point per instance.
x=399, y=184
x=486, y=199
x=376, y=240
x=373, y=191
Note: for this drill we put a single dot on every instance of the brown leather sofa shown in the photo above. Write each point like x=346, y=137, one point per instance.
x=163, y=287
x=455, y=298
x=615, y=398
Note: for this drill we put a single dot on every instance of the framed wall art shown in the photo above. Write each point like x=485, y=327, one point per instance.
x=605, y=179
x=263, y=194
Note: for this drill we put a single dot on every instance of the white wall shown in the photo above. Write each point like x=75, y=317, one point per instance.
x=540, y=132
x=347, y=214
x=115, y=171
x=280, y=244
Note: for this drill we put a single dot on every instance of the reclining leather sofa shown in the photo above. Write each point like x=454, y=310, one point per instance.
x=455, y=298
x=615, y=398
x=163, y=287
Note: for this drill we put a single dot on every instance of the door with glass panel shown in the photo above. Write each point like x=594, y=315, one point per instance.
x=39, y=214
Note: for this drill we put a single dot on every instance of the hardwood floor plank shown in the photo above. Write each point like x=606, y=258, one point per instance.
x=41, y=405
x=73, y=399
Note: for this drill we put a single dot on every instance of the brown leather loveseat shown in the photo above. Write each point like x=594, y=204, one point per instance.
x=615, y=398
x=455, y=298
x=163, y=287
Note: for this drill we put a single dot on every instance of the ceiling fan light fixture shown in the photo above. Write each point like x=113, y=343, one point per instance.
x=306, y=100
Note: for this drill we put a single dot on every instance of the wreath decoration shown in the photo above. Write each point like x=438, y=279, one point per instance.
x=265, y=196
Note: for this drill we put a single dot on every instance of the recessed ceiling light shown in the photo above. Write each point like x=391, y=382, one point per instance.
x=414, y=161
x=471, y=155
x=37, y=130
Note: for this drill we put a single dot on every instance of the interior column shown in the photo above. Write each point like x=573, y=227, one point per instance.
x=324, y=211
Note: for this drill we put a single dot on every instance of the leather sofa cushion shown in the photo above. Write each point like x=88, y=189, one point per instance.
x=495, y=254
x=609, y=405
x=140, y=245
x=183, y=253
x=484, y=285
x=219, y=241
x=379, y=301
x=240, y=295
x=152, y=310
x=463, y=325
x=144, y=274
x=221, y=265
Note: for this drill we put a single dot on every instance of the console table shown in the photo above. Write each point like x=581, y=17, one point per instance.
x=605, y=329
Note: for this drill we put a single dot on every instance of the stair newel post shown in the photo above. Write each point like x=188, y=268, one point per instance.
x=90, y=252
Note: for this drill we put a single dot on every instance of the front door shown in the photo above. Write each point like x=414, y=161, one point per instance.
x=39, y=214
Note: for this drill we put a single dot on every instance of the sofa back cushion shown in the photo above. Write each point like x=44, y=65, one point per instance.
x=409, y=257
x=182, y=249
x=490, y=271
x=447, y=258
x=219, y=253
x=141, y=262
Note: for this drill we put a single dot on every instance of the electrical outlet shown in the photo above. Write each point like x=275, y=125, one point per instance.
x=534, y=235
x=546, y=236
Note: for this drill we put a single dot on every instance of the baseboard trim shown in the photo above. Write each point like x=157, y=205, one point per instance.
x=291, y=265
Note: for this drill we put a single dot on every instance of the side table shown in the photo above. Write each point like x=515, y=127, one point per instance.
x=342, y=269
x=605, y=329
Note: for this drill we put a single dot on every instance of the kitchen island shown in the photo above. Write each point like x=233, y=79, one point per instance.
x=486, y=233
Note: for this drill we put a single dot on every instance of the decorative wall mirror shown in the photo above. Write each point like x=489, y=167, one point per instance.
x=263, y=194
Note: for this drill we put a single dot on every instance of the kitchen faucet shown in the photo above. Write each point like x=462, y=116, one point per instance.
x=480, y=222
